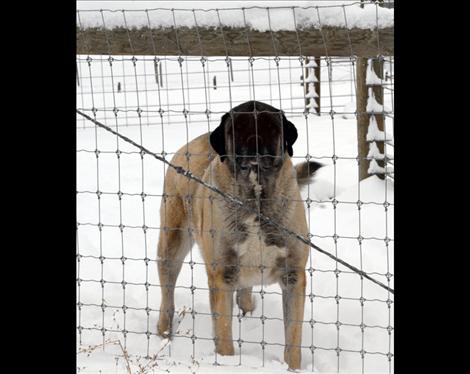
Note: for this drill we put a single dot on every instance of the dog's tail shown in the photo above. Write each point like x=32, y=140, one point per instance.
x=305, y=171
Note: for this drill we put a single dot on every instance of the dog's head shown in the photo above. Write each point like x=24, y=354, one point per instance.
x=253, y=139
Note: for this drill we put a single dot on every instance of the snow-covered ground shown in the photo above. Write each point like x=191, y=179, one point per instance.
x=191, y=88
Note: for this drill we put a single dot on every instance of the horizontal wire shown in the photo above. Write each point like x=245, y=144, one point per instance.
x=262, y=343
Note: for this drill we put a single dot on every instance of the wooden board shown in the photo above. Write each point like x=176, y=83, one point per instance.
x=331, y=41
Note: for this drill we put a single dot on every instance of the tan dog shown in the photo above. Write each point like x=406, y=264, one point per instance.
x=252, y=145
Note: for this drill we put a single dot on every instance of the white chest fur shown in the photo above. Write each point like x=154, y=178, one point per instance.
x=257, y=260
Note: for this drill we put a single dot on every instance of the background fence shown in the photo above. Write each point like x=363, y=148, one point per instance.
x=157, y=84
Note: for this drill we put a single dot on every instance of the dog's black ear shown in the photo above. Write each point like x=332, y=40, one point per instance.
x=217, y=138
x=290, y=134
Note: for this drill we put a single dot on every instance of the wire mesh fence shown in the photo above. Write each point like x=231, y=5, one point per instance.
x=162, y=102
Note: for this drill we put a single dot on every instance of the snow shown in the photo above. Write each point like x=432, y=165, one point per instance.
x=311, y=79
x=311, y=64
x=371, y=77
x=374, y=134
x=132, y=176
x=374, y=168
x=311, y=92
x=372, y=105
x=312, y=104
x=330, y=13
x=374, y=152
x=349, y=110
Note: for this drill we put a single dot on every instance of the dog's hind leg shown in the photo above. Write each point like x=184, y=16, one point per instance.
x=173, y=245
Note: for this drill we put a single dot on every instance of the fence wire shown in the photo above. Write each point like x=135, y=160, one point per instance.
x=160, y=102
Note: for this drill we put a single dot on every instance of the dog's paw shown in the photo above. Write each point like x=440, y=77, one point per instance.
x=248, y=306
x=226, y=349
x=246, y=302
x=164, y=328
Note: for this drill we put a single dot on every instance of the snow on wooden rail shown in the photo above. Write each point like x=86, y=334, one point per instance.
x=339, y=30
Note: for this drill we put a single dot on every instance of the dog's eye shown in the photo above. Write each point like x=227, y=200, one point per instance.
x=244, y=167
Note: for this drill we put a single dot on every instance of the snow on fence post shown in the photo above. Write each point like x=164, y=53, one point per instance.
x=370, y=117
x=362, y=118
x=311, y=83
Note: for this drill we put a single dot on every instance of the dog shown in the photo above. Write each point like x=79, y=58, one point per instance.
x=248, y=156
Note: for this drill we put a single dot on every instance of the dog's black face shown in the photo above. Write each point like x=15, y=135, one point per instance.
x=253, y=139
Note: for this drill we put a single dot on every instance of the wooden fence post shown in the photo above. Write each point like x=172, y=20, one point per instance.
x=316, y=84
x=317, y=72
x=378, y=90
x=367, y=92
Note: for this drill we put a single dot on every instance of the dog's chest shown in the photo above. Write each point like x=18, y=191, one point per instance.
x=258, y=261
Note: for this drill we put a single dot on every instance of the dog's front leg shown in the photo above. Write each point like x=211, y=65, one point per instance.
x=293, y=300
x=221, y=300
